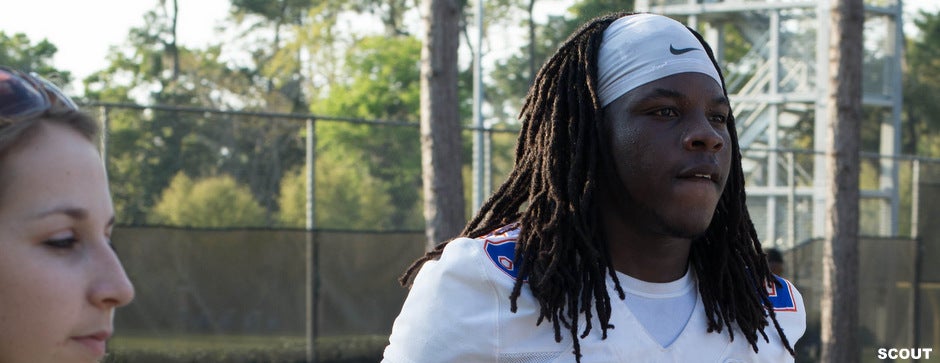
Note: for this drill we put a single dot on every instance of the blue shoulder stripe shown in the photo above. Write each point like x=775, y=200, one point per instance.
x=501, y=253
x=781, y=295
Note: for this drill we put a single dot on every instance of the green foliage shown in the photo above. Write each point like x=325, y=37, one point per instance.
x=347, y=196
x=18, y=52
x=293, y=199
x=391, y=12
x=284, y=11
x=382, y=82
x=511, y=77
x=736, y=47
x=921, y=85
x=210, y=202
x=585, y=10
x=146, y=149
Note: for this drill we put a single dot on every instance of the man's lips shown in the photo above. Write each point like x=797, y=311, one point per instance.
x=96, y=342
x=703, y=172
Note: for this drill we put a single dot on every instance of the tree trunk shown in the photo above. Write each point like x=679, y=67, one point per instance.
x=440, y=122
x=532, y=65
x=174, y=47
x=840, y=252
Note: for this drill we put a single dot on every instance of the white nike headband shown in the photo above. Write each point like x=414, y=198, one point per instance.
x=641, y=48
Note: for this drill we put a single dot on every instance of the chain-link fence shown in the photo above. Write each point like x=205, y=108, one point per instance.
x=251, y=282
x=212, y=209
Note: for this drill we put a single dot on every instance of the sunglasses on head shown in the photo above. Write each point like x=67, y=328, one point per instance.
x=24, y=96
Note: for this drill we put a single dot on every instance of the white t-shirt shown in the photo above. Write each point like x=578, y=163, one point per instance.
x=662, y=309
x=458, y=310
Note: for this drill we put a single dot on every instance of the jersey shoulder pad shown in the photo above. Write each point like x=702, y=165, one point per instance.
x=500, y=247
x=781, y=295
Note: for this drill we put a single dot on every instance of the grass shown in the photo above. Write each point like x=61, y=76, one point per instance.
x=197, y=342
x=244, y=349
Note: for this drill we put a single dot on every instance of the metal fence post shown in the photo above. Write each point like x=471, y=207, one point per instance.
x=915, y=196
x=104, y=135
x=312, y=247
x=791, y=200
x=918, y=248
x=479, y=175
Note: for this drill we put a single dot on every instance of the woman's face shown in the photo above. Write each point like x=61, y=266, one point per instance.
x=60, y=280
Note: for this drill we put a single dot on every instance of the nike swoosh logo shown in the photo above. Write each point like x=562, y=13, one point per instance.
x=680, y=51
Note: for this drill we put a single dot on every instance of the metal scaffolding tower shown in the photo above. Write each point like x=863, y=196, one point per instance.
x=775, y=58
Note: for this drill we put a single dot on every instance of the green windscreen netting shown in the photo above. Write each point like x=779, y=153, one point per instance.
x=254, y=282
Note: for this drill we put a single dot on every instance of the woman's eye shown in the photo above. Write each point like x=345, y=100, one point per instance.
x=62, y=243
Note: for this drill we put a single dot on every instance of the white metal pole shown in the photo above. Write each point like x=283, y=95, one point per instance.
x=312, y=250
x=479, y=174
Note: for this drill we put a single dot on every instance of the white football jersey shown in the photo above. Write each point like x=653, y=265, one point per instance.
x=458, y=310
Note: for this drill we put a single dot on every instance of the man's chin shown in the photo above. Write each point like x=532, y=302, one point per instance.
x=692, y=236
x=692, y=231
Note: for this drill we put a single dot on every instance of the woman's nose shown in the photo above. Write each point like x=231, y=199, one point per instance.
x=110, y=287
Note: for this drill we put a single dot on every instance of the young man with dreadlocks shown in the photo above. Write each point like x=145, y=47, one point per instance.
x=621, y=234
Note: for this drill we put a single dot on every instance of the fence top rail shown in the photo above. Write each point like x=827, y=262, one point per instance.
x=281, y=115
x=314, y=117
x=866, y=154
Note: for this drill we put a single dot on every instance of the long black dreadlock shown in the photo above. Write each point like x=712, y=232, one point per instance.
x=561, y=250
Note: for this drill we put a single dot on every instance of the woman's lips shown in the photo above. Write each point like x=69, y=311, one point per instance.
x=96, y=343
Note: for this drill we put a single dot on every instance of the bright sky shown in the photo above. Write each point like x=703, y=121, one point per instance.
x=83, y=31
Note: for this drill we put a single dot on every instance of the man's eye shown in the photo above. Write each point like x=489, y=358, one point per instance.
x=62, y=243
x=666, y=112
x=719, y=119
